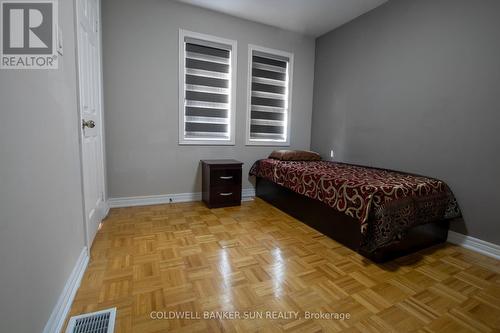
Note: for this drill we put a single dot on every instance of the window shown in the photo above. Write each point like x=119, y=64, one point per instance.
x=207, y=77
x=269, y=96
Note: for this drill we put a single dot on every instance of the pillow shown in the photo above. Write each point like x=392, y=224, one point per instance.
x=295, y=155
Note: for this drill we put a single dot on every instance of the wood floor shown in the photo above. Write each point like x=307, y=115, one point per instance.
x=256, y=261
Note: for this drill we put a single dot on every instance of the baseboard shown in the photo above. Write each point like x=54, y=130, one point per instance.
x=474, y=244
x=63, y=305
x=105, y=210
x=246, y=194
x=153, y=199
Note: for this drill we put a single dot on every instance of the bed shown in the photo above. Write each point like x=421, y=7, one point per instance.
x=379, y=213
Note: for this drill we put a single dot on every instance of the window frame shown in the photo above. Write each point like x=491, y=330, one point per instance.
x=182, y=88
x=280, y=53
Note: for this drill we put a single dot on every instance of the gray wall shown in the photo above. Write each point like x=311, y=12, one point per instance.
x=41, y=217
x=415, y=86
x=141, y=68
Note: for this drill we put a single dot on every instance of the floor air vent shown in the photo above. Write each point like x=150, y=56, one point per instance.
x=95, y=322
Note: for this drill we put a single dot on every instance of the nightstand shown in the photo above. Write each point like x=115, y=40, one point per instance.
x=221, y=183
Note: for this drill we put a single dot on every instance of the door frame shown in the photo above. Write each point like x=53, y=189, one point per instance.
x=103, y=211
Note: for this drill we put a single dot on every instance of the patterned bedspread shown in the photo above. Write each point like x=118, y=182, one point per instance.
x=387, y=203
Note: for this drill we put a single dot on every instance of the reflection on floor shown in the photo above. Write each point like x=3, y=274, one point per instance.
x=186, y=260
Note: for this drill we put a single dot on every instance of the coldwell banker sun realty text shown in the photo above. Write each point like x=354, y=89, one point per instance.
x=28, y=34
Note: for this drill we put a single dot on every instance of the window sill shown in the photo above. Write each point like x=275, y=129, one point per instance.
x=267, y=143
x=206, y=143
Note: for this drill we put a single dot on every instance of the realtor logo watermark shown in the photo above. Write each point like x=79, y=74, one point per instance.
x=28, y=34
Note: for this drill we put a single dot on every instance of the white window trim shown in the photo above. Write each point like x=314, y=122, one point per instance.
x=232, y=104
x=289, y=55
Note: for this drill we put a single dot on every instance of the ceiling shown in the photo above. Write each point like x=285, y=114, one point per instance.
x=310, y=17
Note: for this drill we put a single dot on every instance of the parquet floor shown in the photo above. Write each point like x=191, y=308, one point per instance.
x=258, y=261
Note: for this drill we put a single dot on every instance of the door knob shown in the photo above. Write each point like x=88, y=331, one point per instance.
x=88, y=123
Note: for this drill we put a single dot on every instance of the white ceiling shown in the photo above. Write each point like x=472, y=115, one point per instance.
x=310, y=17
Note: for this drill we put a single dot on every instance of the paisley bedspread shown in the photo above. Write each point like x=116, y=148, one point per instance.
x=387, y=203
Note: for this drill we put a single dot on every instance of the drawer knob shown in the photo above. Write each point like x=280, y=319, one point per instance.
x=226, y=177
x=225, y=194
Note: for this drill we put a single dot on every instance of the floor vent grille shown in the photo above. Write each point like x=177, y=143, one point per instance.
x=95, y=322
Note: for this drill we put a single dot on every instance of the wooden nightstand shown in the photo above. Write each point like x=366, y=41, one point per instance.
x=221, y=183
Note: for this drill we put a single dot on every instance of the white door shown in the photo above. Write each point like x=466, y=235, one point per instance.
x=89, y=85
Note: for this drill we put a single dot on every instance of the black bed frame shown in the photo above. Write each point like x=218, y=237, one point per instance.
x=345, y=229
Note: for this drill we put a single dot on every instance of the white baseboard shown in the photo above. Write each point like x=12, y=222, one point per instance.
x=474, y=244
x=246, y=194
x=63, y=305
x=103, y=210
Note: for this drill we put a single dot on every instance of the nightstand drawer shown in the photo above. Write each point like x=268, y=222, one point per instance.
x=225, y=177
x=225, y=194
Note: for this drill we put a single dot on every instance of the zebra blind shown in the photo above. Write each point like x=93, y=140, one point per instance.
x=207, y=91
x=269, y=97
